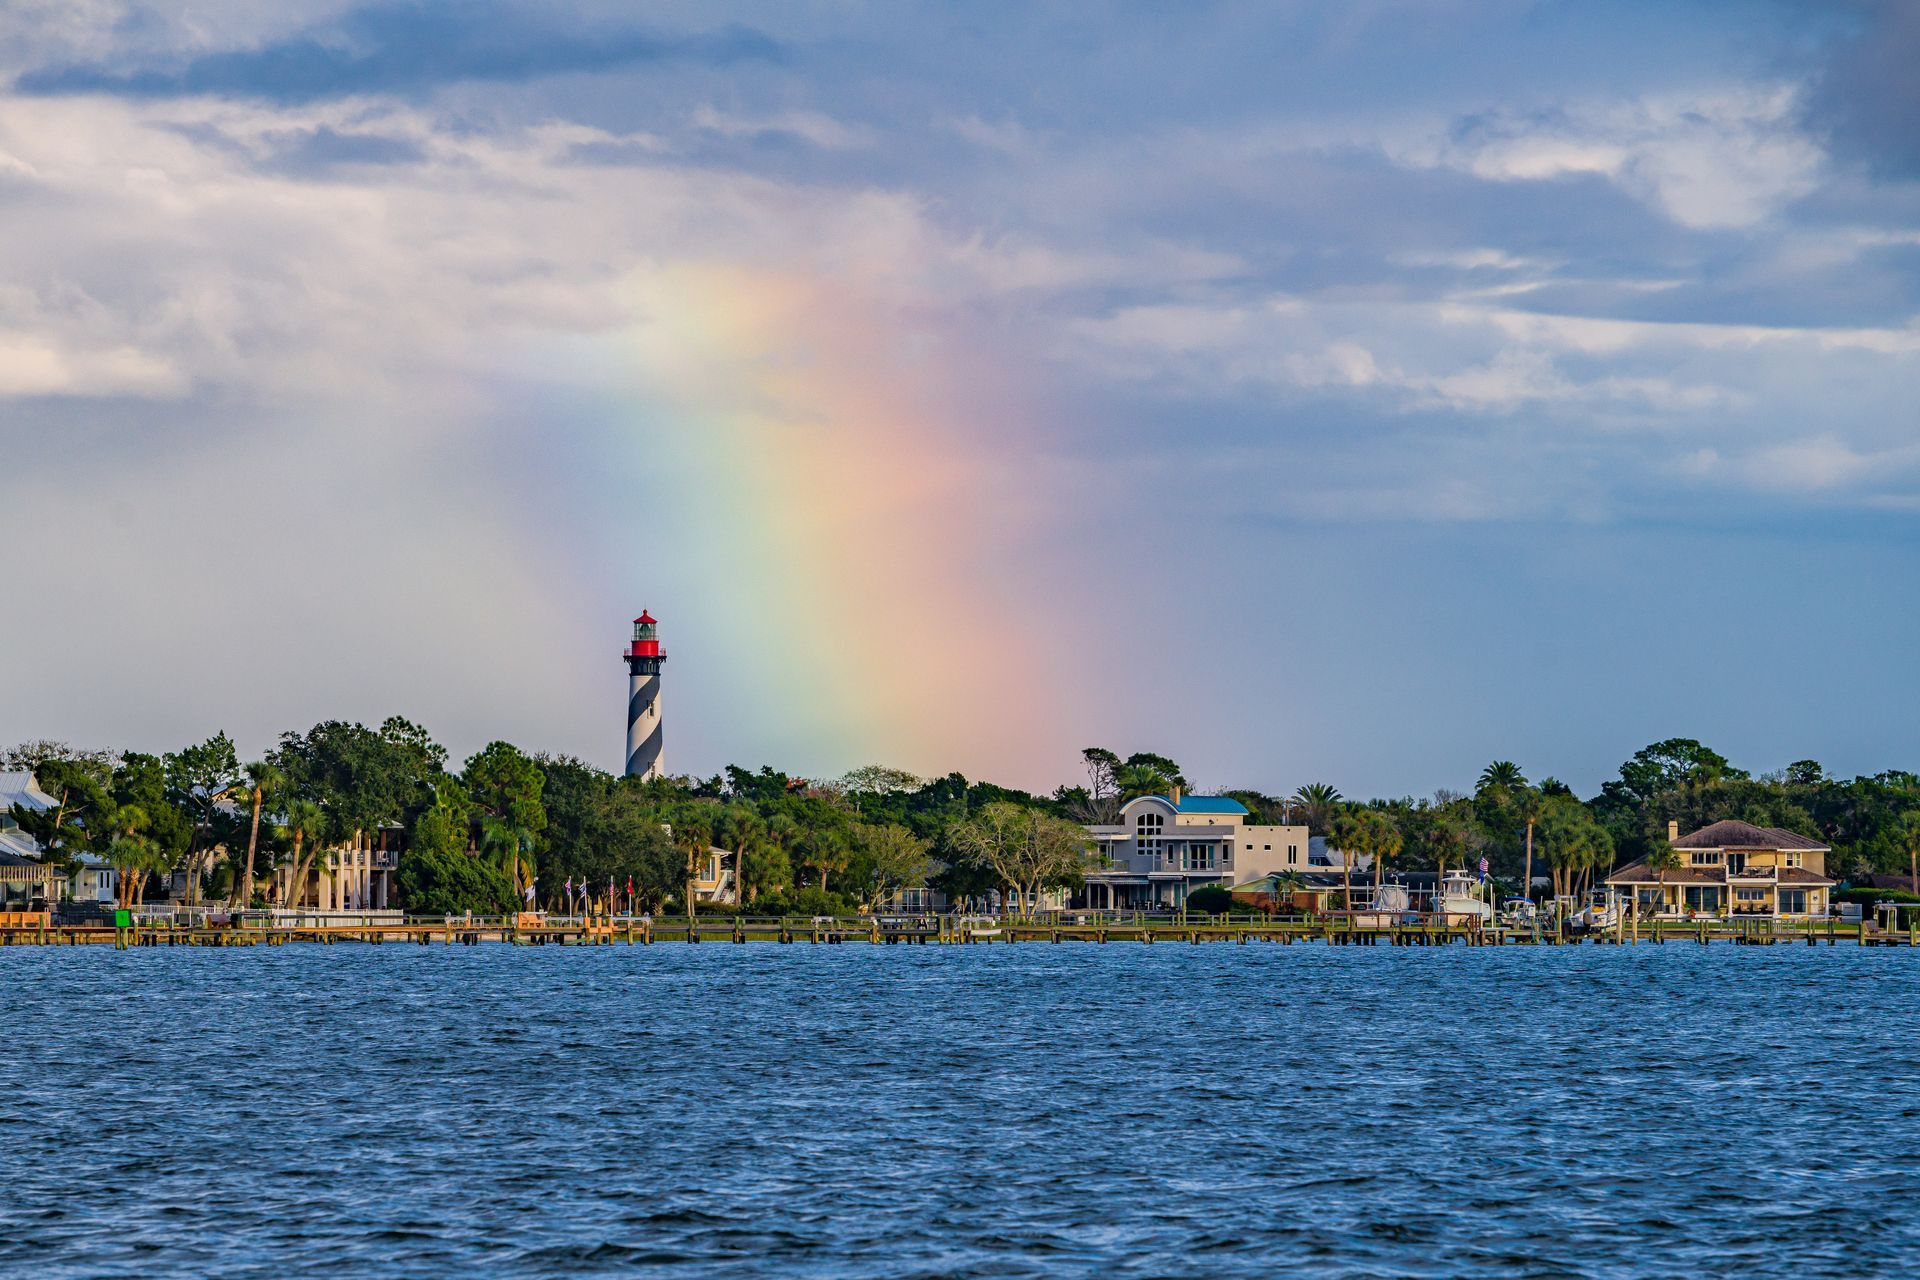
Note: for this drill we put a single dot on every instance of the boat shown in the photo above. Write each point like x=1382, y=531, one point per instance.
x=1519, y=912
x=1460, y=899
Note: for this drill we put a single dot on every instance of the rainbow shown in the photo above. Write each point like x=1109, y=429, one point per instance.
x=862, y=543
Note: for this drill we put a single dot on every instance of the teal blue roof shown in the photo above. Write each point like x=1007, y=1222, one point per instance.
x=1207, y=804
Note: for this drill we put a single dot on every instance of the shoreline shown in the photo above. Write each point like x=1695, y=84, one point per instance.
x=957, y=931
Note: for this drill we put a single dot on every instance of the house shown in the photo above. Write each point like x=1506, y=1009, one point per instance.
x=93, y=880
x=354, y=876
x=1165, y=846
x=1732, y=868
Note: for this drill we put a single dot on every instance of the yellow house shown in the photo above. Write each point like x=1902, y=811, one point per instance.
x=1733, y=869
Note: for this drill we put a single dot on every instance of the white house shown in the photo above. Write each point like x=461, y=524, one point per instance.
x=1165, y=846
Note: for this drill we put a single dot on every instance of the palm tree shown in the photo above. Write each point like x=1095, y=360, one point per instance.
x=1141, y=780
x=1320, y=805
x=263, y=780
x=1661, y=860
x=745, y=832
x=1530, y=801
x=694, y=837
x=1908, y=833
x=1503, y=774
x=511, y=845
x=305, y=825
x=1285, y=885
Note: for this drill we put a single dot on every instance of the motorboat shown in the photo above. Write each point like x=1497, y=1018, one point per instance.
x=1460, y=898
x=1519, y=912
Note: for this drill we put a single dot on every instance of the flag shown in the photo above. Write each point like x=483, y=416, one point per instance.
x=569, y=886
x=629, y=886
x=1483, y=869
x=530, y=892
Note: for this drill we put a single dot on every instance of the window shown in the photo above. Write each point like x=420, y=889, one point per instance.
x=1736, y=864
x=1703, y=897
x=1792, y=859
x=1267, y=847
x=1704, y=858
x=1793, y=901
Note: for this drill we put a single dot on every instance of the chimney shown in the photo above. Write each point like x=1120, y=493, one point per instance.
x=1173, y=793
x=1673, y=831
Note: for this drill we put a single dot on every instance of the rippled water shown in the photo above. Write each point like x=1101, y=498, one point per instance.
x=941, y=1111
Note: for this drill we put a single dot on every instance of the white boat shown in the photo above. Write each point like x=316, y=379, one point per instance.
x=1460, y=899
x=1519, y=912
x=1601, y=913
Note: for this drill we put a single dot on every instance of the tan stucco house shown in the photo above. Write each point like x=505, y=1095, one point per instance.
x=1732, y=869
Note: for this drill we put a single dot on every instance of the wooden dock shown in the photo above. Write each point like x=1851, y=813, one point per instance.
x=949, y=931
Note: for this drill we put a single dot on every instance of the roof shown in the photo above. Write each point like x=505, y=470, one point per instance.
x=1882, y=880
x=647, y=618
x=1637, y=873
x=1205, y=804
x=20, y=788
x=1732, y=834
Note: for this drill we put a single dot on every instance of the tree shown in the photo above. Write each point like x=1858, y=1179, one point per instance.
x=878, y=780
x=1025, y=849
x=1529, y=803
x=1662, y=860
x=1135, y=780
x=1666, y=766
x=305, y=825
x=1574, y=842
x=1503, y=775
x=33, y=757
x=199, y=778
x=262, y=782
x=693, y=835
x=78, y=793
x=1908, y=834
x=1098, y=802
x=1365, y=832
x=894, y=859
x=1319, y=805
x=440, y=882
x=510, y=846
x=505, y=788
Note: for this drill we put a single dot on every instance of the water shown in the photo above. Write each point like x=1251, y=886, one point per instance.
x=943, y=1111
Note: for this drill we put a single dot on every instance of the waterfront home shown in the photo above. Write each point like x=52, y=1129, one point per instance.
x=354, y=876
x=93, y=880
x=1165, y=846
x=1732, y=868
x=25, y=881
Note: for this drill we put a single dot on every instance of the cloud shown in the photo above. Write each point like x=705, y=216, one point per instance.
x=812, y=127
x=402, y=49
x=1726, y=159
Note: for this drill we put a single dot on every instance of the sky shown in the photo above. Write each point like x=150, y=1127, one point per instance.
x=1351, y=391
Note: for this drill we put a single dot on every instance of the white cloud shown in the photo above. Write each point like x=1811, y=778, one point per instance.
x=1726, y=159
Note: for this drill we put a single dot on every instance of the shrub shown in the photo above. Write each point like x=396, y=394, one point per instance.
x=1867, y=896
x=1212, y=899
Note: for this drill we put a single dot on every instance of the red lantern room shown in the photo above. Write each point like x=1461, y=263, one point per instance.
x=646, y=643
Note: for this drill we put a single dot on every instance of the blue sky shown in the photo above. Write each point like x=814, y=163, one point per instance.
x=1359, y=391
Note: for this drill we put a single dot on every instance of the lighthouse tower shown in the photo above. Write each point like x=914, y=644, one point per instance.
x=643, y=699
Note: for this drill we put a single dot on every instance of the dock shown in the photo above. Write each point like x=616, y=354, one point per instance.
x=35, y=929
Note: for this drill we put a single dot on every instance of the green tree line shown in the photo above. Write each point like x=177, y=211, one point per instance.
x=479, y=836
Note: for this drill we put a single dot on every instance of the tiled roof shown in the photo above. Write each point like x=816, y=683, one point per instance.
x=1638, y=873
x=1733, y=834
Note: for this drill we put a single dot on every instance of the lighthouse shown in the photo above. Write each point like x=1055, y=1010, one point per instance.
x=643, y=698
